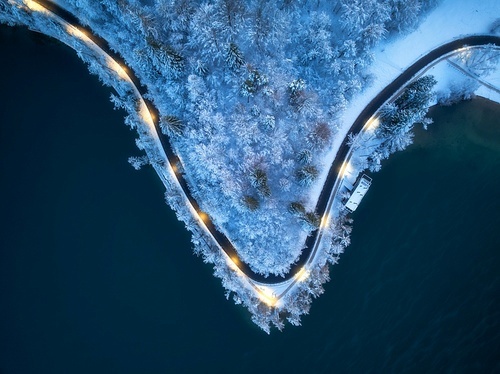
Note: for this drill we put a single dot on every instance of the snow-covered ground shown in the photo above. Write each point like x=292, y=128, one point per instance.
x=450, y=76
x=451, y=20
x=488, y=94
x=463, y=17
x=320, y=48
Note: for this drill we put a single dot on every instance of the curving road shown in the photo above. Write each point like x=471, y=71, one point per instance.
x=219, y=237
x=370, y=110
x=329, y=188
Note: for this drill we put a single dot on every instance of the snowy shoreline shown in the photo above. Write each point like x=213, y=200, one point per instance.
x=463, y=17
x=295, y=295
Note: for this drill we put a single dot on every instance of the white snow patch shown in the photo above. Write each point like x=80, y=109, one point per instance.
x=452, y=19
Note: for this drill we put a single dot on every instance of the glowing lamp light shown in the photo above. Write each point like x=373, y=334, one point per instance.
x=145, y=114
x=34, y=6
x=121, y=71
x=302, y=275
x=232, y=262
x=325, y=221
x=373, y=123
x=267, y=296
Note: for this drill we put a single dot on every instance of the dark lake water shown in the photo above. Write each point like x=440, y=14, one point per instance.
x=97, y=275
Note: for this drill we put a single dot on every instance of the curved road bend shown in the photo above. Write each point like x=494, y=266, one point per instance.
x=327, y=189
x=369, y=111
x=219, y=237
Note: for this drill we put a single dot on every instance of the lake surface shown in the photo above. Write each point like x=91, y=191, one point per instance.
x=97, y=275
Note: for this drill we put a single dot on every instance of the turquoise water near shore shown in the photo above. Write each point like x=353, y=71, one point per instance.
x=97, y=275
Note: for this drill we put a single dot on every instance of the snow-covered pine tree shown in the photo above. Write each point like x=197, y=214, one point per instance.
x=297, y=209
x=304, y=157
x=171, y=125
x=250, y=202
x=306, y=175
x=258, y=180
x=234, y=57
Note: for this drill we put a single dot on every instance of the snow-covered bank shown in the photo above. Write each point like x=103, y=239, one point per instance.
x=488, y=94
x=251, y=135
x=450, y=20
x=250, y=93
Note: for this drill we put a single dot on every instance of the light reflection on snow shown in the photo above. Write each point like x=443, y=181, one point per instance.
x=373, y=123
x=325, y=221
x=34, y=6
x=302, y=275
x=267, y=295
x=346, y=169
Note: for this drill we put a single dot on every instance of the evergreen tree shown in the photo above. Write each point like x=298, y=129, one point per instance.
x=387, y=111
x=410, y=107
x=171, y=125
x=251, y=202
x=307, y=175
x=297, y=209
x=417, y=94
x=164, y=56
x=174, y=60
x=234, y=57
x=311, y=219
x=304, y=157
x=258, y=180
x=404, y=14
x=297, y=93
x=253, y=83
x=269, y=122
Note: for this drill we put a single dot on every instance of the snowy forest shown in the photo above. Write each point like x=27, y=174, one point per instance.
x=394, y=132
x=250, y=94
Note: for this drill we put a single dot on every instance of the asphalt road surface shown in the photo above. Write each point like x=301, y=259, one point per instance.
x=333, y=173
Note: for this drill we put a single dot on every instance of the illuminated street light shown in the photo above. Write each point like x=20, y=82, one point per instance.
x=302, y=275
x=267, y=295
x=203, y=216
x=145, y=114
x=122, y=72
x=325, y=221
x=34, y=6
x=232, y=263
x=373, y=123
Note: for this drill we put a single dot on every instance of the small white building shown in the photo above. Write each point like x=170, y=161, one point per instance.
x=361, y=187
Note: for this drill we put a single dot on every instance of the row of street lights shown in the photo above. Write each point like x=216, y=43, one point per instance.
x=265, y=293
